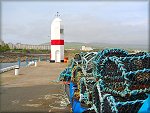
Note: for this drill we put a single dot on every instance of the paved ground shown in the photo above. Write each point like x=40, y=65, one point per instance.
x=34, y=90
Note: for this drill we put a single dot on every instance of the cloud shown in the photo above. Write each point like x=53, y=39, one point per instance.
x=95, y=30
x=80, y=29
x=90, y=22
x=136, y=23
x=34, y=32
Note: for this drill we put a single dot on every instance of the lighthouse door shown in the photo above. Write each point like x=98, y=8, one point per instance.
x=57, y=56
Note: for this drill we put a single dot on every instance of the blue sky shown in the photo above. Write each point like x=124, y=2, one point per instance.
x=104, y=22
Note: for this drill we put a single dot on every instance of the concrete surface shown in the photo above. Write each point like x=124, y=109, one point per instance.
x=34, y=90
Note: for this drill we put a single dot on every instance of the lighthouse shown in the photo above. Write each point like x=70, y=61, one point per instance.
x=57, y=40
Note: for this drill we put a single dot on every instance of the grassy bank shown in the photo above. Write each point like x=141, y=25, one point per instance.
x=13, y=55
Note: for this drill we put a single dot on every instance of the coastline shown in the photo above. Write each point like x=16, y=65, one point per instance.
x=9, y=57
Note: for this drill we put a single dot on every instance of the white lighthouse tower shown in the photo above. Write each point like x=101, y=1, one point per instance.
x=57, y=40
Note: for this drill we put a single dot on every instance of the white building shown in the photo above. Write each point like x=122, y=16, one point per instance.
x=84, y=48
x=11, y=46
x=27, y=46
x=1, y=42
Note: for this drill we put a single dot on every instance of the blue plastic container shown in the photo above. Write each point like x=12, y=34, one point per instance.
x=146, y=106
x=76, y=105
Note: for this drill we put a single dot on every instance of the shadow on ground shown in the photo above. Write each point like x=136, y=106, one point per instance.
x=34, y=99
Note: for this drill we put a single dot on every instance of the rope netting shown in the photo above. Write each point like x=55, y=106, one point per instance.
x=67, y=73
x=126, y=78
x=120, y=81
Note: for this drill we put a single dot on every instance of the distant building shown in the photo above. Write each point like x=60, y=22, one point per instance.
x=137, y=51
x=2, y=42
x=11, y=46
x=84, y=48
x=27, y=46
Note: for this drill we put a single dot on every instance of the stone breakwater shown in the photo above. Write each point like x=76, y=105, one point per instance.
x=13, y=57
x=34, y=90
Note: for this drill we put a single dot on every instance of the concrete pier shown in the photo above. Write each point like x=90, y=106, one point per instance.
x=34, y=90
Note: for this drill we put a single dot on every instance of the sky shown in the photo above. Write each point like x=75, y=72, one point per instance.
x=29, y=22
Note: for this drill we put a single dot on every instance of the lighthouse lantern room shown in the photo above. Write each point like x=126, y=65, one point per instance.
x=57, y=40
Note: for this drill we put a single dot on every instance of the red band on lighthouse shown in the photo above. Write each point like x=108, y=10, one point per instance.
x=57, y=42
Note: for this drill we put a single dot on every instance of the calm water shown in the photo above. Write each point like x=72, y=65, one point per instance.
x=4, y=65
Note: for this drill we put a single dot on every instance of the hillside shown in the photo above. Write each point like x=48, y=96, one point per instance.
x=78, y=45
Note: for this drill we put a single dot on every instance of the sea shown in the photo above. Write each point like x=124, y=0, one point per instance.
x=4, y=65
